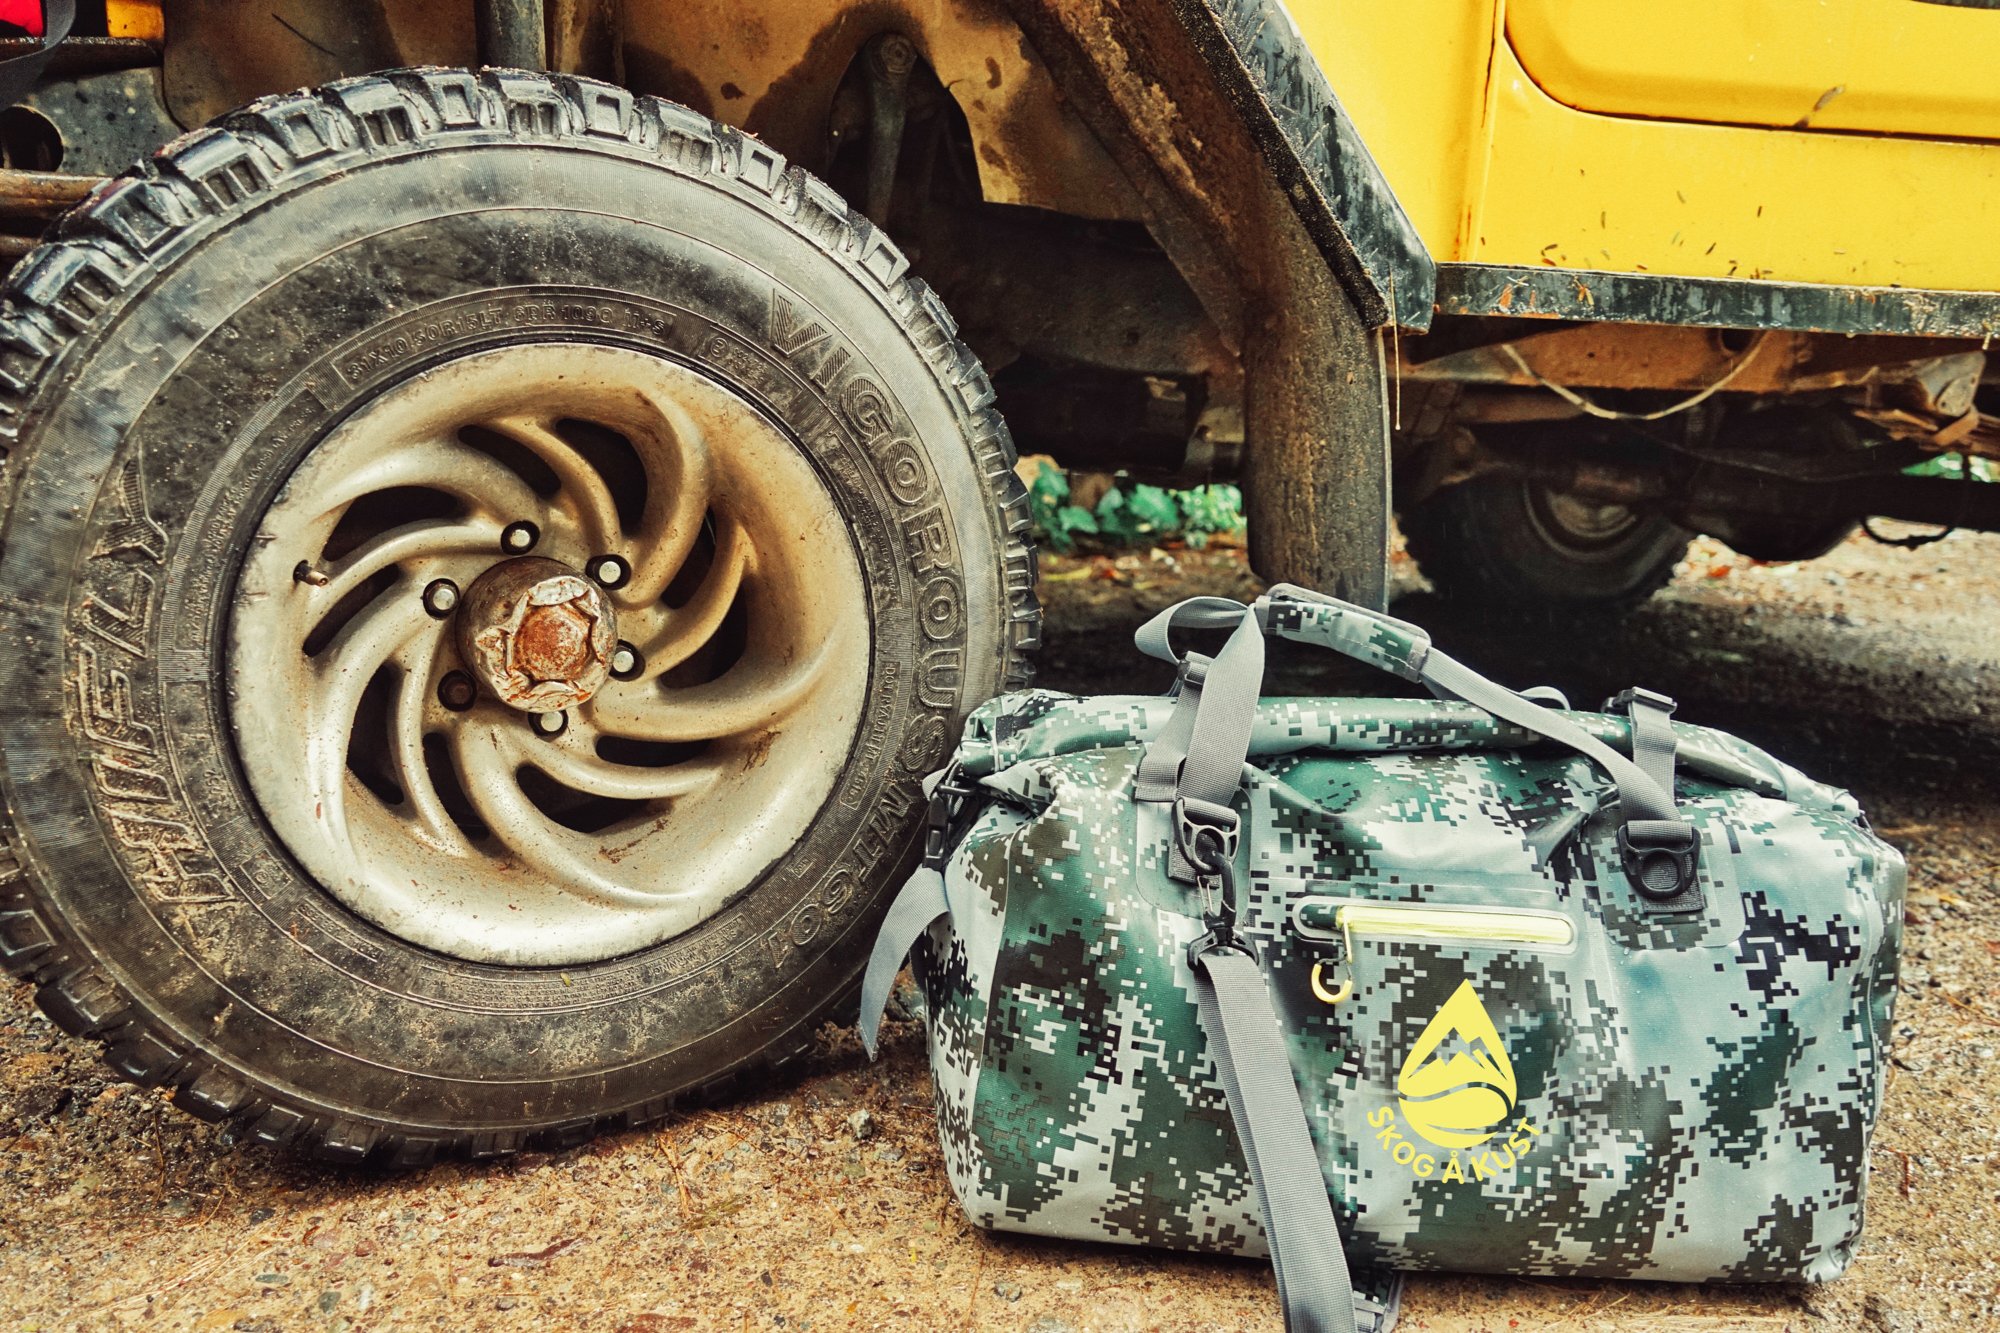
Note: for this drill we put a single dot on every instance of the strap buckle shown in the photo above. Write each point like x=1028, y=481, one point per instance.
x=1193, y=670
x=1219, y=936
x=942, y=817
x=1623, y=700
x=1214, y=864
x=1661, y=864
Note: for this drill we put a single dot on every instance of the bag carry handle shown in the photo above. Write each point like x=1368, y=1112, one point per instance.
x=1205, y=743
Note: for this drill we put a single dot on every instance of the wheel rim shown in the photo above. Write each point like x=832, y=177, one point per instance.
x=1579, y=526
x=608, y=812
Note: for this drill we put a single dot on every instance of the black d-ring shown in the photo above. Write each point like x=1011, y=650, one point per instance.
x=1208, y=851
x=1661, y=868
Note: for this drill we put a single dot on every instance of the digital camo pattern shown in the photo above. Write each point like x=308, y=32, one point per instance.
x=1669, y=1097
x=1396, y=646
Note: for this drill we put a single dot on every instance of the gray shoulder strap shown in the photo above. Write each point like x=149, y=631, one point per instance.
x=1653, y=741
x=1207, y=742
x=1249, y=1053
x=920, y=905
x=1160, y=767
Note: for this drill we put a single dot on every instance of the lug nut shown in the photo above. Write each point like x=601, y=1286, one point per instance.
x=609, y=571
x=440, y=597
x=457, y=692
x=549, y=725
x=519, y=538
x=625, y=661
x=537, y=634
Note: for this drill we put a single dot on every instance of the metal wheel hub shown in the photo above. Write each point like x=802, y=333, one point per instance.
x=547, y=654
x=537, y=634
x=1578, y=525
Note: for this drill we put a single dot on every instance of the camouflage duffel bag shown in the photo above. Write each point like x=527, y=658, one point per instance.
x=1487, y=984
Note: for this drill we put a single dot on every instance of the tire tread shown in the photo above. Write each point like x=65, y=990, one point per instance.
x=132, y=226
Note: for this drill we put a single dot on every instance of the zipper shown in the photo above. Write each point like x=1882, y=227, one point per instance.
x=1320, y=918
x=1479, y=925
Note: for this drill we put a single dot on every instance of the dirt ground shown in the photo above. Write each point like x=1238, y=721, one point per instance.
x=822, y=1204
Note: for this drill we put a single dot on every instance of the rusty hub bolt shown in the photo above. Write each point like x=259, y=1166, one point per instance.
x=537, y=634
x=609, y=570
x=440, y=597
x=457, y=692
x=894, y=54
x=519, y=538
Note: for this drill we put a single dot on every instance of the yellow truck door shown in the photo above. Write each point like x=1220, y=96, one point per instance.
x=1919, y=67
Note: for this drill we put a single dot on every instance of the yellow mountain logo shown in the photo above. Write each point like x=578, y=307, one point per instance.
x=1457, y=1083
x=1456, y=1090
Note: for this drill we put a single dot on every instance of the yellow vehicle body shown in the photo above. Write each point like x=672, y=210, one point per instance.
x=1855, y=142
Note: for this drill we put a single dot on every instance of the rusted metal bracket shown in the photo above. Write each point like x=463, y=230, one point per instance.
x=513, y=33
x=1731, y=303
x=42, y=195
x=29, y=201
x=585, y=37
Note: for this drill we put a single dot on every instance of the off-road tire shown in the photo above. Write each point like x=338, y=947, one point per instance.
x=165, y=335
x=1483, y=548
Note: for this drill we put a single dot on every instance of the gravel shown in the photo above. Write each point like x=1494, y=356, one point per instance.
x=822, y=1203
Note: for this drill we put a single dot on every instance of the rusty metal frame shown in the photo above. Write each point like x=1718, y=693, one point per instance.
x=1675, y=357
x=1731, y=303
